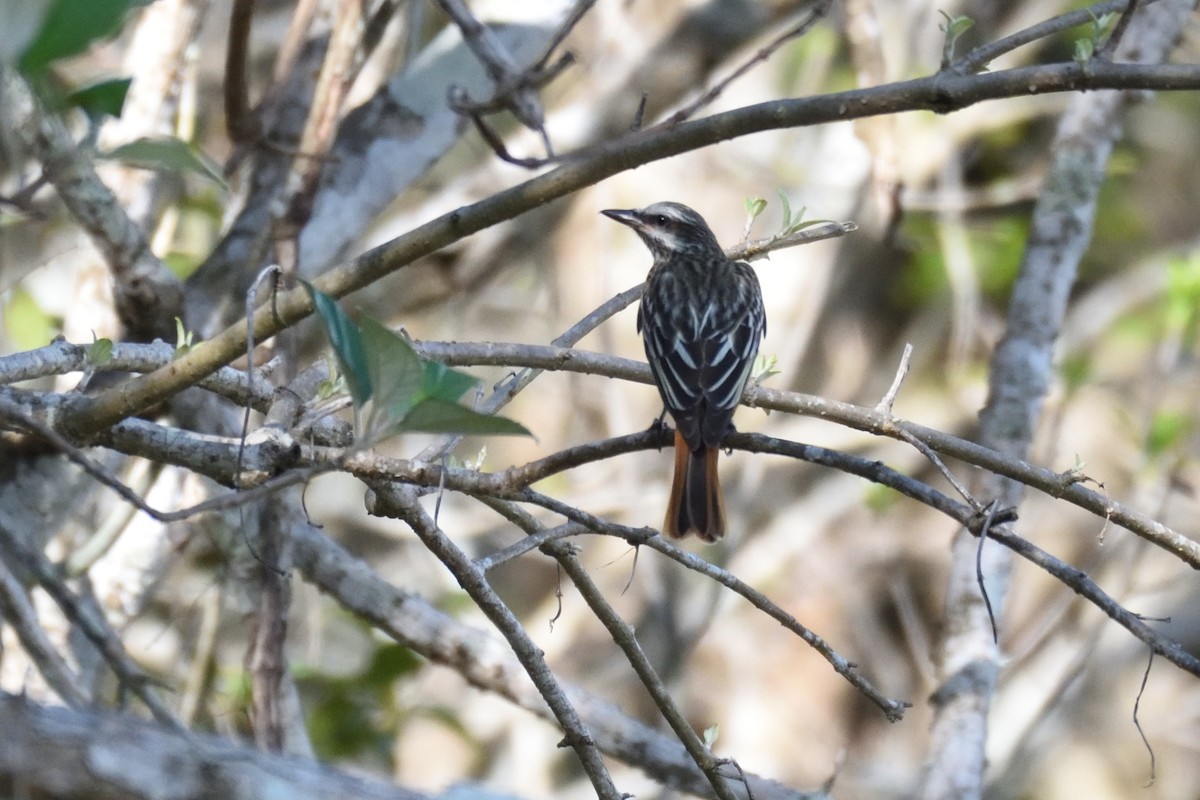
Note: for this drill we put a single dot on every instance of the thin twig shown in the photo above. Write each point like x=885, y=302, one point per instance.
x=19, y=614
x=272, y=271
x=515, y=89
x=1137, y=723
x=137, y=437
x=623, y=635
x=889, y=398
x=893, y=709
x=980, y=57
x=925, y=450
x=531, y=542
x=577, y=13
x=60, y=357
x=475, y=583
x=103, y=476
x=1110, y=47
x=87, y=616
x=989, y=516
x=485, y=661
x=814, y=15
x=625, y=638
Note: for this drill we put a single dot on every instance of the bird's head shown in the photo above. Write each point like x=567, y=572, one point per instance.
x=668, y=228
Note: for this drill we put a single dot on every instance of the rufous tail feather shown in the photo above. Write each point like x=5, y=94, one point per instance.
x=695, y=505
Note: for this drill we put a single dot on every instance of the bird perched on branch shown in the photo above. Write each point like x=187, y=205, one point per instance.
x=701, y=319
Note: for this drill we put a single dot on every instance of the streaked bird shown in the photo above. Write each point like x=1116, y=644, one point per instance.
x=701, y=320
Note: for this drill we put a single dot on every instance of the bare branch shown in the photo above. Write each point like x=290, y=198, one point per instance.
x=815, y=13
x=943, y=93
x=1019, y=377
x=241, y=122
x=18, y=613
x=474, y=582
x=983, y=55
x=624, y=637
x=488, y=663
x=622, y=633
x=148, y=295
x=84, y=755
x=87, y=616
x=515, y=89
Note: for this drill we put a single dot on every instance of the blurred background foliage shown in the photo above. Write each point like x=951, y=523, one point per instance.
x=942, y=204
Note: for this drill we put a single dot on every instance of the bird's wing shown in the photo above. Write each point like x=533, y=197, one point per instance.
x=701, y=353
x=730, y=346
x=670, y=331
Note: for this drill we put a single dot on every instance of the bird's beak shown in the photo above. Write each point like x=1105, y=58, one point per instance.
x=625, y=216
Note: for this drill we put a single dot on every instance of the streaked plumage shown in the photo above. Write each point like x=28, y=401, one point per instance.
x=701, y=320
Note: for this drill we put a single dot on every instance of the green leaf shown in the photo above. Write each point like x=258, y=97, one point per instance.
x=396, y=374
x=710, y=735
x=71, y=26
x=1100, y=24
x=444, y=383
x=434, y=415
x=799, y=223
x=183, y=338
x=787, y=210
x=764, y=367
x=1084, y=49
x=99, y=352
x=404, y=392
x=755, y=206
x=328, y=388
x=1078, y=470
x=954, y=27
x=105, y=98
x=167, y=154
x=347, y=344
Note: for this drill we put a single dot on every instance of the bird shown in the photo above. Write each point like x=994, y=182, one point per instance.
x=701, y=319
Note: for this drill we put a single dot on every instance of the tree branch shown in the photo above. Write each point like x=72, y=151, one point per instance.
x=942, y=93
x=88, y=617
x=1019, y=376
x=475, y=583
x=484, y=661
x=148, y=295
x=84, y=755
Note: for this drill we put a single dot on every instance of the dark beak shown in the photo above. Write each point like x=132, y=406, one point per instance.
x=625, y=216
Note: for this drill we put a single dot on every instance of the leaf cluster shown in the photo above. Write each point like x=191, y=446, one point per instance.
x=393, y=389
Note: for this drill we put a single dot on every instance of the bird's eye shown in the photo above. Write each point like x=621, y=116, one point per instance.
x=661, y=219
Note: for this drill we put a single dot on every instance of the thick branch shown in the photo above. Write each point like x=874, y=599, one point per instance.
x=1020, y=373
x=942, y=93
x=75, y=755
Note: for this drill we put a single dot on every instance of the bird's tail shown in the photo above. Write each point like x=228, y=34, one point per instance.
x=695, y=505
